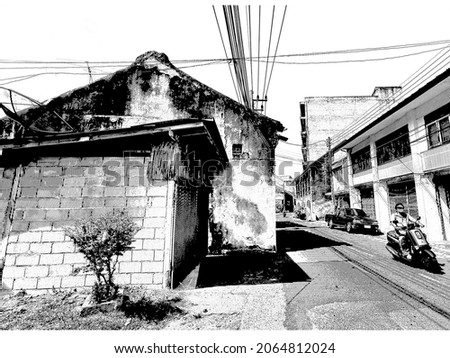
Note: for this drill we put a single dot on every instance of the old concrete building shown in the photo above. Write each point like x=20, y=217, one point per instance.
x=403, y=156
x=322, y=118
x=150, y=139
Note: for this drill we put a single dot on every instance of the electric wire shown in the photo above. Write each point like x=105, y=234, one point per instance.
x=259, y=50
x=225, y=51
x=250, y=48
x=376, y=110
x=317, y=163
x=411, y=85
x=276, y=50
x=268, y=53
x=317, y=53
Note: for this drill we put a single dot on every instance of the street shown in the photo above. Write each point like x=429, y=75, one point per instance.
x=354, y=283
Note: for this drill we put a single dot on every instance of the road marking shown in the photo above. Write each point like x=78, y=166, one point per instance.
x=322, y=254
x=429, y=278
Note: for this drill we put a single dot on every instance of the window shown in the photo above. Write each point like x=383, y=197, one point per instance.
x=237, y=151
x=438, y=126
x=439, y=131
x=393, y=146
x=361, y=160
x=360, y=213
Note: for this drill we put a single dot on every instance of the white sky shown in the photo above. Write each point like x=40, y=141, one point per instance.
x=89, y=30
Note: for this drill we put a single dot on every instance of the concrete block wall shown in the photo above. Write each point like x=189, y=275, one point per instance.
x=6, y=183
x=55, y=192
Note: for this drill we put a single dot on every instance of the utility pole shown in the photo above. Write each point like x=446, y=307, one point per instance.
x=310, y=191
x=330, y=171
x=90, y=73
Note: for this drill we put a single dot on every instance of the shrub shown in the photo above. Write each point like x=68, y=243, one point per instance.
x=102, y=240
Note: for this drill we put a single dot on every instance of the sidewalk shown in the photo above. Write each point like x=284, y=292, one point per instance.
x=246, y=307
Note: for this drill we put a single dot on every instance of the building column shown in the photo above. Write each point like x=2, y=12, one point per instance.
x=445, y=211
x=425, y=188
x=354, y=194
x=381, y=197
x=428, y=209
x=380, y=192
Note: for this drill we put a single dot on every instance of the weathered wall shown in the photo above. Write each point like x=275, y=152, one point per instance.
x=153, y=90
x=6, y=185
x=54, y=192
x=244, y=201
x=327, y=116
x=244, y=198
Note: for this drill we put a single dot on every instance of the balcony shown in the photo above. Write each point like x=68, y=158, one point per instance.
x=396, y=168
x=363, y=177
x=436, y=158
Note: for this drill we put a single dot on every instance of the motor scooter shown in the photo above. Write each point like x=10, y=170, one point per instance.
x=419, y=248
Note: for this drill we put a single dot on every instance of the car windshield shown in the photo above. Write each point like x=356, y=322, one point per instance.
x=360, y=213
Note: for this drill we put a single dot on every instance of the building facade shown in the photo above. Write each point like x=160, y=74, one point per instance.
x=404, y=156
x=150, y=139
x=325, y=117
x=322, y=118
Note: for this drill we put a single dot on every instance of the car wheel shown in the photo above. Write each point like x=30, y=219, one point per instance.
x=348, y=227
x=330, y=224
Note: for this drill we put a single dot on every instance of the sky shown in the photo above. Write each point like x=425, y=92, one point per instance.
x=122, y=30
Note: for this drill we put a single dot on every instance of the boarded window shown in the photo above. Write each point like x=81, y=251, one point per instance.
x=361, y=160
x=393, y=146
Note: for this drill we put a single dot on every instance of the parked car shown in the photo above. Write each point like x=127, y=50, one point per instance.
x=352, y=220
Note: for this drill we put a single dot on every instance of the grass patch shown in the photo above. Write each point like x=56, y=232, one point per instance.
x=56, y=311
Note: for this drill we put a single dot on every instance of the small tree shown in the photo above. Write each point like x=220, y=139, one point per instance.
x=102, y=240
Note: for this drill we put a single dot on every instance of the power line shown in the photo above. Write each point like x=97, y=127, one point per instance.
x=358, y=60
x=27, y=77
x=259, y=47
x=416, y=140
x=317, y=53
x=411, y=84
x=268, y=52
x=249, y=30
x=213, y=62
x=276, y=49
x=224, y=48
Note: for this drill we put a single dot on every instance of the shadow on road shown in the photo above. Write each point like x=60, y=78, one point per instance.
x=295, y=237
x=248, y=267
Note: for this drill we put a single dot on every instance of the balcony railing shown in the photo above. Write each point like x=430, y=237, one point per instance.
x=436, y=158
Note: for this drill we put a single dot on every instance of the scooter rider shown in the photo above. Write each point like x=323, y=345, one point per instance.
x=400, y=220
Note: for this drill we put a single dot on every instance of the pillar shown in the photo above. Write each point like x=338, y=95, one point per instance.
x=354, y=194
x=425, y=188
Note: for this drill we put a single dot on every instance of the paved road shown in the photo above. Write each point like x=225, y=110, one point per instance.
x=355, y=284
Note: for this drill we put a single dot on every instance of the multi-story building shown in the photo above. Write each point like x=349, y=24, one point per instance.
x=320, y=119
x=403, y=155
x=324, y=117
